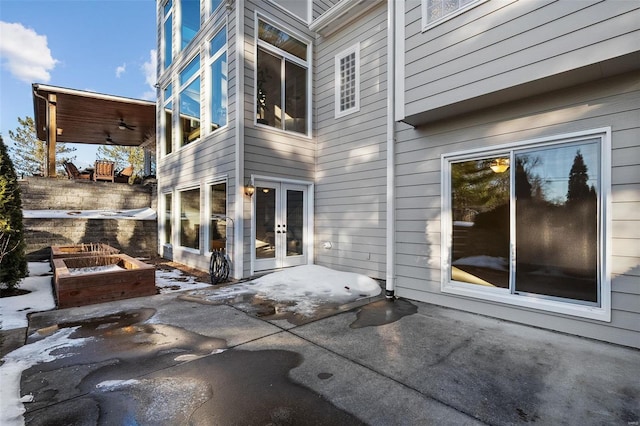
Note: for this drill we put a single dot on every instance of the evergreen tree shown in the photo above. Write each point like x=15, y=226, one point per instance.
x=123, y=156
x=13, y=262
x=29, y=154
x=578, y=178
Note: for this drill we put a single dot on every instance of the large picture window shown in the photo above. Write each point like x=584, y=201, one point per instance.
x=218, y=69
x=526, y=223
x=190, y=218
x=282, y=90
x=190, y=102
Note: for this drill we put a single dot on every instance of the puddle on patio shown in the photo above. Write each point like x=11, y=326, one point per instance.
x=132, y=372
x=383, y=312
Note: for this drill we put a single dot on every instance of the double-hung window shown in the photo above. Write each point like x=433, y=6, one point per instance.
x=347, y=81
x=167, y=118
x=526, y=224
x=218, y=79
x=167, y=28
x=189, y=107
x=282, y=80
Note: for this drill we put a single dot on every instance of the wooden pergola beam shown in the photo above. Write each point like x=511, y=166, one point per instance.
x=52, y=136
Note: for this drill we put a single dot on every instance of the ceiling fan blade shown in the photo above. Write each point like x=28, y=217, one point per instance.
x=122, y=125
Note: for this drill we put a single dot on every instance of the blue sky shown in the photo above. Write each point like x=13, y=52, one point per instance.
x=106, y=46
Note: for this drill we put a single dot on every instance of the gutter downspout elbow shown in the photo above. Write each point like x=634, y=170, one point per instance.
x=391, y=172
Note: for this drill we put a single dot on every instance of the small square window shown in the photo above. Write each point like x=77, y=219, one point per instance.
x=347, y=78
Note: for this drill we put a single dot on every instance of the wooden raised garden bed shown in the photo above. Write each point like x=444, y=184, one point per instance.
x=81, y=281
x=82, y=250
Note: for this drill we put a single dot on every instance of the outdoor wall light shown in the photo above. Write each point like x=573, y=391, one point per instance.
x=499, y=165
x=249, y=190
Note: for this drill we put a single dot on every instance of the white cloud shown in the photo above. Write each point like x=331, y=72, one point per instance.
x=149, y=70
x=120, y=70
x=25, y=53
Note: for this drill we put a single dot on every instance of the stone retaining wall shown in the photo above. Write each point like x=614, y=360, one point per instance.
x=60, y=194
x=137, y=238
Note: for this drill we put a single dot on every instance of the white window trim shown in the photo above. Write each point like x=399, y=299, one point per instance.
x=427, y=25
x=337, y=81
x=176, y=105
x=178, y=215
x=208, y=78
x=308, y=65
x=207, y=208
x=601, y=313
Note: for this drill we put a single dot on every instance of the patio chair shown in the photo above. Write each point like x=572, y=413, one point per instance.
x=124, y=175
x=73, y=173
x=104, y=170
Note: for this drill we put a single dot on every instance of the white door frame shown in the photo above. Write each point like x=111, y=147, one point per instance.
x=308, y=247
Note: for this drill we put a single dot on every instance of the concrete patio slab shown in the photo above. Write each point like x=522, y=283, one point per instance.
x=175, y=361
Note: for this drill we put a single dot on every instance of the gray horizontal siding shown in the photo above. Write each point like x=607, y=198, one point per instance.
x=499, y=45
x=613, y=102
x=350, y=191
x=270, y=151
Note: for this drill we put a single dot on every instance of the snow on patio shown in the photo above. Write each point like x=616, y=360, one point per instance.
x=302, y=288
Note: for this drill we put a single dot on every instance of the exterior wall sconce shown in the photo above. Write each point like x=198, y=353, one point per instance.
x=499, y=165
x=249, y=190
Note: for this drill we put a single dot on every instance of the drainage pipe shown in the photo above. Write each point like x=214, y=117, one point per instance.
x=238, y=234
x=391, y=172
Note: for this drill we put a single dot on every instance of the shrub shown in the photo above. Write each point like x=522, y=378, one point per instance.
x=13, y=261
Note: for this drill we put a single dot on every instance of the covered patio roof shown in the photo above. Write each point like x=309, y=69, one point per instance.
x=76, y=116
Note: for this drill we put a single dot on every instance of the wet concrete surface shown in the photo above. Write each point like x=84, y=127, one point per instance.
x=383, y=312
x=174, y=361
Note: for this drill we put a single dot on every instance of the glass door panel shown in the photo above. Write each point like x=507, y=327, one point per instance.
x=295, y=222
x=557, y=221
x=265, y=222
x=480, y=209
x=280, y=225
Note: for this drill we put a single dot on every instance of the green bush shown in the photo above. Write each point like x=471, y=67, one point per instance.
x=13, y=261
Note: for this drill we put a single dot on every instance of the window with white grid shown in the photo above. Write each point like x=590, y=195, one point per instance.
x=435, y=11
x=347, y=78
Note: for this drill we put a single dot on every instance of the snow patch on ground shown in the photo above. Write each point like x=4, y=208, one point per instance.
x=131, y=214
x=303, y=288
x=95, y=269
x=11, y=405
x=174, y=280
x=14, y=310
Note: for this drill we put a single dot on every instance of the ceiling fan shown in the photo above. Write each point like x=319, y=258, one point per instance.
x=108, y=139
x=122, y=125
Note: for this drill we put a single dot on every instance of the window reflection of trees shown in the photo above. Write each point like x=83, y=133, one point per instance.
x=557, y=243
x=556, y=222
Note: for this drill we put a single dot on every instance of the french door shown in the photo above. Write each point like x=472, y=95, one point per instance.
x=280, y=225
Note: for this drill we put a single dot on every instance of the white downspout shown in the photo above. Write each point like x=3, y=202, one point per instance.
x=238, y=229
x=391, y=171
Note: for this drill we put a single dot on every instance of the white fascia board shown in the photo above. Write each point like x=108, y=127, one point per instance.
x=341, y=14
